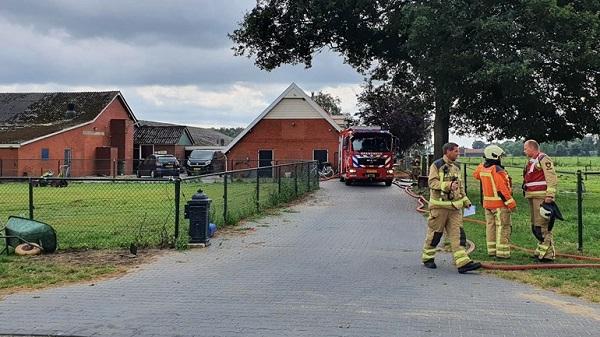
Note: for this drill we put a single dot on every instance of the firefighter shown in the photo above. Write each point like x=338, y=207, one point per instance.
x=497, y=201
x=539, y=186
x=447, y=199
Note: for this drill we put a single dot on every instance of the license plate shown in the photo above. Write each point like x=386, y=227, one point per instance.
x=168, y=165
x=370, y=175
x=371, y=171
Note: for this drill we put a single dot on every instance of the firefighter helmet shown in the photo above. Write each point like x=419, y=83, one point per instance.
x=493, y=152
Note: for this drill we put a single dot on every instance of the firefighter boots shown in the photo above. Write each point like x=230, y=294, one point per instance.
x=469, y=267
x=430, y=264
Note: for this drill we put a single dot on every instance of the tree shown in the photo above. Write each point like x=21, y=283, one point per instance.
x=502, y=69
x=478, y=144
x=231, y=132
x=399, y=112
x=561, y=150
x=329, y=103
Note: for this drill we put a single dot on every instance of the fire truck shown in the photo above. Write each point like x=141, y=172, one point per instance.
x=366, y=154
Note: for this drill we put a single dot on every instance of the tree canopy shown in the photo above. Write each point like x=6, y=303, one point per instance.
x=402, y=114
x=501, y=69
x=329, y=103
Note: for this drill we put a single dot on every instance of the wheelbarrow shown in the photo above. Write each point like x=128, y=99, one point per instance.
x=34, y=233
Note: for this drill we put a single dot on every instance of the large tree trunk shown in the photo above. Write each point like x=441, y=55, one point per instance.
x=441, y=124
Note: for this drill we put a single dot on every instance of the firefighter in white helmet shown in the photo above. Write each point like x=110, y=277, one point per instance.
x=498, y=202
x=446, y=202
x=539, y=185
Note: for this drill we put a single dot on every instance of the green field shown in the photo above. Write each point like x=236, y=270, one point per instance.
x=568, y=164
x=115, y=214
x=578, y=282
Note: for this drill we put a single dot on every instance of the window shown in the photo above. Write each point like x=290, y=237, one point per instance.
x=45, y=154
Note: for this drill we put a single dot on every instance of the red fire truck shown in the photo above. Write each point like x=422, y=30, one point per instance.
x=366, y=154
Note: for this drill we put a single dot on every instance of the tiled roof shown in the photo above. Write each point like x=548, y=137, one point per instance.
x=200, y=136
x=160, y=135
x=27, y=116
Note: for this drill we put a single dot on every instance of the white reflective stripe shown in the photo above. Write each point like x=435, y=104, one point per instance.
x=536, y=183
x=534, y=162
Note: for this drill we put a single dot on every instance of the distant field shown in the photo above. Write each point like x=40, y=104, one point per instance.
x=570, y=164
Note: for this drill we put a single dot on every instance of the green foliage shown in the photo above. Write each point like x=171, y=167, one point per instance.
x=231, y=132
x=329, y=103
x=502, y=69
x=401, y=113
x=588, y=146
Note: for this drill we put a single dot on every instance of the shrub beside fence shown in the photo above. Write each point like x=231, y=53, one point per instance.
x=111, y=213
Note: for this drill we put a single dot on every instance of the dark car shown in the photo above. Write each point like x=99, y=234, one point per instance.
x=205, y=161
x=159, y=165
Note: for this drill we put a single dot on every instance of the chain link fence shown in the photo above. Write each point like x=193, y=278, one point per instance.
x=578, y=198
x=110, y=213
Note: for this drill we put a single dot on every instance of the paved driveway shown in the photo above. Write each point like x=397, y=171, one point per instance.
x=344, y=263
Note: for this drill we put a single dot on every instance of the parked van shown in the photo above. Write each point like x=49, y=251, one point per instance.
x=205, y=161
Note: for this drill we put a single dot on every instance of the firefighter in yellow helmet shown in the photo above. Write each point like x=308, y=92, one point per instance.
x=497, y=201
x=539, y=184
x=446, y=202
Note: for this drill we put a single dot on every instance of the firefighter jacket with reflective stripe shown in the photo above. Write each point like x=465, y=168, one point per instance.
x=496, y=186
x=441, y=175
x=539, y=177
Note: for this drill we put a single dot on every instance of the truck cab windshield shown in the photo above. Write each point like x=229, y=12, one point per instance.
x=372, y=143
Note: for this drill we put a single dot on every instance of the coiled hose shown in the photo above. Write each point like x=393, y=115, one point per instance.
x=421, y=202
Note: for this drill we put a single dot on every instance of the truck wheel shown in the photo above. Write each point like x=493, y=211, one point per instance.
x=388, y=183
x=342, y=178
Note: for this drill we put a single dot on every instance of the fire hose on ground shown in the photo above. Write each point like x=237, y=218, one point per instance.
x=422, y=202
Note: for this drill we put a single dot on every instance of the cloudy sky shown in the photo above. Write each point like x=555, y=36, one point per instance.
x=171, y=59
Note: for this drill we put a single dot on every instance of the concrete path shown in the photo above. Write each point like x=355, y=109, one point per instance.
x=344, y=263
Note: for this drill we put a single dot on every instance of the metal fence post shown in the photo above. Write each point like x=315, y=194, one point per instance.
x=225, y=199
x=177, y=206
x=279, y=179
x=296, y=180
x=257, y=190
x=30, y=199
x=307, y=176
x=114, y=173
x=465, y=178
x=579, y=211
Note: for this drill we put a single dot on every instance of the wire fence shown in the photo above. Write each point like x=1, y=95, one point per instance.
x=578, y=198
x=114, y=213
x=77, y=167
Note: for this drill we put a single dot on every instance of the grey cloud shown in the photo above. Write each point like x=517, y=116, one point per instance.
x=144, y=22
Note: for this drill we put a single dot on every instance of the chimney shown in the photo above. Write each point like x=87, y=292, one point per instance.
x=70, y=113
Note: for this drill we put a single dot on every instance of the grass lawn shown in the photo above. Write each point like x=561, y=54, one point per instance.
x=115, y=214
x=577, y=282
x=112, y=215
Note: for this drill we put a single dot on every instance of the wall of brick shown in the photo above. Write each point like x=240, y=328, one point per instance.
x=82, y=141
x=8, y=162
x=288, y=138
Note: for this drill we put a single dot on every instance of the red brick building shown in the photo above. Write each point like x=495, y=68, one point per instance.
x=83, y=133
x=293, y=127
